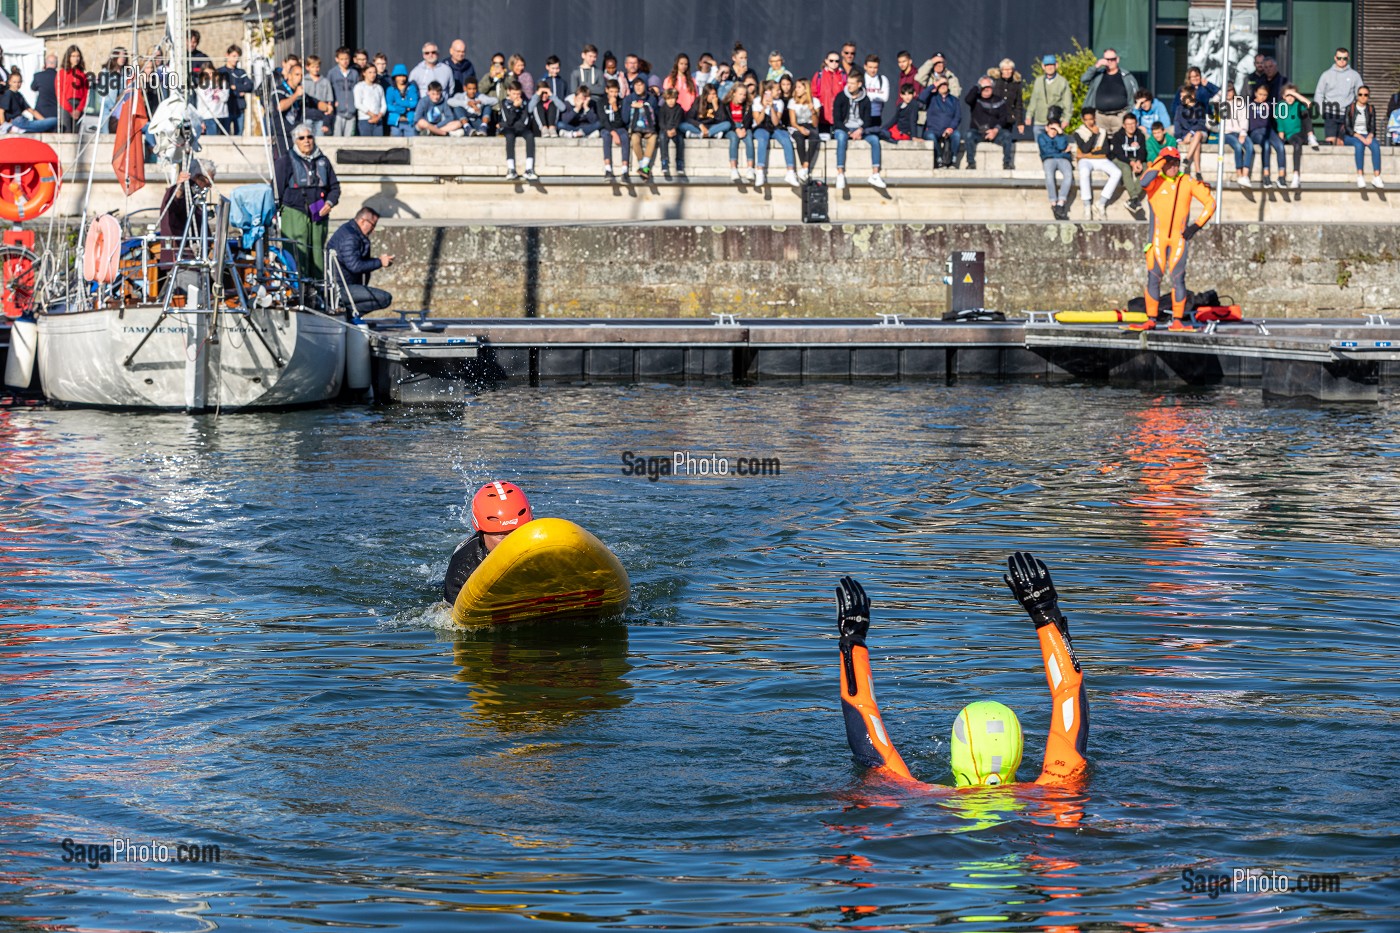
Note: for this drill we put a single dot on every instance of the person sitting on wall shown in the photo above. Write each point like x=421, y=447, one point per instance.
x=350, y=247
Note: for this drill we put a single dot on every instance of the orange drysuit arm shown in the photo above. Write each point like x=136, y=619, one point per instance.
x=1069, y=714
x=865, y=728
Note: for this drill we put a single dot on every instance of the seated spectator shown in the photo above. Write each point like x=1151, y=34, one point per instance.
x=849, y=118
x=516, y=67
x=706, y=73
x=673, y=124
x=641, y=125
x=610, y=73
x=544, y=111
x=1190, y=127
x=935, y=67
x=1059, y=170
x=1360, y=132
x=993, y=121
x=901, y=122
x=1335, y=91
x=680, y=81
x=877, y=88
x=941, y=123
x=1392, y=117
x=402, y=101
x=737, y=109
x=494, y=84
x=558, y=87
x=1234, y=129
x=515, y=124
x=381, y=68
x=1149, y=111
x=321, y=114
x=371, y=107
x=1050, y=89
x=1091, y=153
x=351, y=248
x=1294, y=126
x=1157, y=140
x=709, y=113
x=1007, y=83
x=1262, y=133
x=848, y=58
x=612, y=122
x=1205, y=91
x=15, y=112
x=776, y=67
x=474, y=109
x=435, y=117
x=587, y=74
x=739, y=68
x=803, y=114
x=769, y=124
x=580, y=118
x=908, y=74
x=724, y=80
x=632, y=70
x=1128, y=150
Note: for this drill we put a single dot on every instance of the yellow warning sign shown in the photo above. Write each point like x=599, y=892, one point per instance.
x=967, y=278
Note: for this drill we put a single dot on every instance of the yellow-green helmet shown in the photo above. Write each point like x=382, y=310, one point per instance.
x=986, y=745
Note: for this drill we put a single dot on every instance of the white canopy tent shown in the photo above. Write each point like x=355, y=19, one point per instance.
x=22, y=50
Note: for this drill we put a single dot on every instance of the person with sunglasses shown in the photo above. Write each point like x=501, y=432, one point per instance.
x=1336, y=89
x=429, y=70
x=1359, y=125
x=1111, y=91
x=307, y=190
x=827, y=83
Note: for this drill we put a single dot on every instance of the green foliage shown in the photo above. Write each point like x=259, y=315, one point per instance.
x=1072, y=65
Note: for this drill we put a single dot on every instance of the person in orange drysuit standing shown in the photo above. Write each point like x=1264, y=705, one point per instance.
x=1169, y=194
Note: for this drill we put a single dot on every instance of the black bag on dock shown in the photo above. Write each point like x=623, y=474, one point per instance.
x=814, y=203
x=400, y=155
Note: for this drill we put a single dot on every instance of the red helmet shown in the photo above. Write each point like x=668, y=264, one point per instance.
x=1170, y=152
x=500, y=507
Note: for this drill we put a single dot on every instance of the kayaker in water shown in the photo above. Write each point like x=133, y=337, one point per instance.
x=497, y=509
x=986, y=744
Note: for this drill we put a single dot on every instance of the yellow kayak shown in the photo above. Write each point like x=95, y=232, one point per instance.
x=1100, y=317
x=549, y=568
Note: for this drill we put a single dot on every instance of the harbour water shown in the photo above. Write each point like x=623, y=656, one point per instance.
x=222, y=632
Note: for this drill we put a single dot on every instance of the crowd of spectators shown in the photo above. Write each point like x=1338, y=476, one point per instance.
x=642, y=116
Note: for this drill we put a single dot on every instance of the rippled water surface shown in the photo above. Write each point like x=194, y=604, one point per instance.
x=223, y=632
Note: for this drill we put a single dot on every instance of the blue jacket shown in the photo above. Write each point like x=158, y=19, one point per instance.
x=439, y=114
x=352, y=251
x=1057, y=148
x=402, y=104
x=1190, y=118
x=943, y=112
x=1152, y=116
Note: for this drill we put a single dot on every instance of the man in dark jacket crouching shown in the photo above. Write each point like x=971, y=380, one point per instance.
x=353, y=264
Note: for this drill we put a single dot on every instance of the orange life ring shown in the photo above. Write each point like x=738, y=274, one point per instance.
x=29, y=175
x=102, y=250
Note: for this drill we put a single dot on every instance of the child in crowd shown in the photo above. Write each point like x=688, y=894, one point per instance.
x=849, y=115
x=1059, y=170
x=515, y=124
x=770, y=123
x=434, y=117
x=1294, y=125
x=1234, y=129
x=612, y=123
x=211, y=101
x=1149, y=110
x=370, y=104
x=1262, y=133
x=709, y=113
x=544, y=111
x=475, y=108
x=738, y=112
x=580, y=118
x=381, y=68
x=673, y=122
x=1091, y=155
x=402, y=100
x=641, y=125
x=901, y=122
x=1128, y=150
x=320, y=109
x=1190, y=126
x=343, y=78
x=803, y=114
x=1158, y=140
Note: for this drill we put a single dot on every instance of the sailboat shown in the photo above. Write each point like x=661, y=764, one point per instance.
x=199, y=319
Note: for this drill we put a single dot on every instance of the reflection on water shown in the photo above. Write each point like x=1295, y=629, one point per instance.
x=531, y=678
x=220, y=631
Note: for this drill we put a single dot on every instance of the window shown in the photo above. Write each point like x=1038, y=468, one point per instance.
x=1319, y=28
x=1171, y=64
x=11, y=10
x=1124, y=25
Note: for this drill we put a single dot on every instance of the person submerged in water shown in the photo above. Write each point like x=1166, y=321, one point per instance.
x=986, y=744
x=497, y=509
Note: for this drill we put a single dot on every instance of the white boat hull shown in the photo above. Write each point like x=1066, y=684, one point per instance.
x=192, y=362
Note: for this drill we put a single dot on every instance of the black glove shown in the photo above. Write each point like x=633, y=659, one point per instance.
x=1030, y=583
x=1191, y=231
x=852, y=612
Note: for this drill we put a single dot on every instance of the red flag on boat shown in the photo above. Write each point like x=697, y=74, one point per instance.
x=129, y=149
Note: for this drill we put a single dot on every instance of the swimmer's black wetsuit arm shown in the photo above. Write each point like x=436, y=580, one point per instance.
x=865, y=728
x=1068, y=741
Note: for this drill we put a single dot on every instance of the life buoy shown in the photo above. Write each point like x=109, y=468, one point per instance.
x=29, y=175
x=102, y=251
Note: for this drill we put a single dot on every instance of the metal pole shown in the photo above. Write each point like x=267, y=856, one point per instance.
x=1220, y=155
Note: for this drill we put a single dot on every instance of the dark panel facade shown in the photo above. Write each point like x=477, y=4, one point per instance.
x=973, y=34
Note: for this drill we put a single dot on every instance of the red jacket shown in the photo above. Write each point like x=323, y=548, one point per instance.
x=907, y=77
x=826, y=84
x=72, y=90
